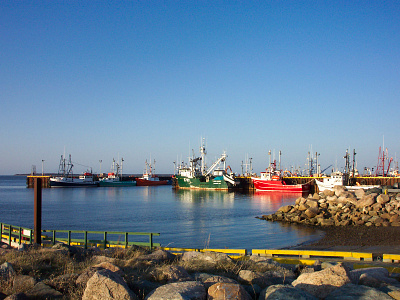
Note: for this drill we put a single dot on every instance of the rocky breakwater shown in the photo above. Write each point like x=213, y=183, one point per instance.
x=66, y=272
x=340, y=207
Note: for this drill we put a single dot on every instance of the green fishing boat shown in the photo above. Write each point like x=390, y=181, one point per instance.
x=197, y=176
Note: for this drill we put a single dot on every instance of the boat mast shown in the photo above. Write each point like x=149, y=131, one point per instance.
x=122, y=160
x=203, y=157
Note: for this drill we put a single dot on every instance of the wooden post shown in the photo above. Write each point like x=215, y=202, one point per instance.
x=37, y=219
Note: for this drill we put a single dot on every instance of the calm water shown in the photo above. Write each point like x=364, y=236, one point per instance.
x=193, y=219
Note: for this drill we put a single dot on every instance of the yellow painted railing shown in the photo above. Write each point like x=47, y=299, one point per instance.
x=311, y=253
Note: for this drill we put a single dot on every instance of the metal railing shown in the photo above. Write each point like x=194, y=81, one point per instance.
x=22, y=235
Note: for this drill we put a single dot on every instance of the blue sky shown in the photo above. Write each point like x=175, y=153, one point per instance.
x=141, y=79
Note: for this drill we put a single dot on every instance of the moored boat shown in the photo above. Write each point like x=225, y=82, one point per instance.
x=65, y=177
x=197, y=176
x=272, y=180
x=114, y=178
x=339, y=179
x=149, y=178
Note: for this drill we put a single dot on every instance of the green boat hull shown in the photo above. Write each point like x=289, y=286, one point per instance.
x=117, y=183
x=217, y=183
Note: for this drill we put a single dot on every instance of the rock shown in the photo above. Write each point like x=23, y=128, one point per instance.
x=392, y=291
x=369, y=280
x=328, y=193
x=339, y=190
x=312, y=212
x=172, y=273
x=367, y=200
x=109, y=266
x=352, y=291
x=105, y=284
x=216, y=279
x=327, y=222
x=378, y=273
x=19, y=296
x=43, y=291
x=98, y=259
x=252, y=277
x=212, y=258
x=143, y=287
x=303, y=207
x=23, y=283
x=188, y=290
x=285, y=208
x=6, y=271
x=382, y=198
x=72, y=250
x=227, y=291
x=332, y=198
x=158, y=255
x=359, y=193
x=285, y=292
x=322, y=283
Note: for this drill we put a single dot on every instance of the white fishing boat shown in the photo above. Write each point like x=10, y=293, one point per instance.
x=338, y=179
x=65, y=177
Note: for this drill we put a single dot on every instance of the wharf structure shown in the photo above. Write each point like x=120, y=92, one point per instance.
x=246, y=182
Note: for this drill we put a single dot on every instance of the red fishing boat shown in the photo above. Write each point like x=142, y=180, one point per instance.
x=148, y=178
x=271, y=180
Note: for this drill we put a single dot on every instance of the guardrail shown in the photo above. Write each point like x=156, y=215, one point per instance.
x=20, y=235
x=233, y=253
x=312, y=253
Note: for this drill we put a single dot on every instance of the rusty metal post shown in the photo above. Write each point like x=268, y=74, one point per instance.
x=37, y=211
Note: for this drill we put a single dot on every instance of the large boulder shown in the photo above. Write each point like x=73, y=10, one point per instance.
x=172, y=273
x=367, y=200
x=23, y=283
x=378, y=273
x=6, y=271
x=251, y=277
x=209, y=257
x=285, y=292
x=382, y=198
x=352, y=291
x=188, y=290
x=105, y=284
x=159, y=256
x=43, y=291
x=321, y=284
x=216, y=279
x=227, y=291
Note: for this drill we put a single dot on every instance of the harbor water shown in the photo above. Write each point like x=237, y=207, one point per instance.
x=184, y=218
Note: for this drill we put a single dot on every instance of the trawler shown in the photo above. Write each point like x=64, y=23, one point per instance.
x=197, y=176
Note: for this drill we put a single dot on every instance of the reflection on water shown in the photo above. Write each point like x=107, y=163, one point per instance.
x=272, y=201
x=185, y=218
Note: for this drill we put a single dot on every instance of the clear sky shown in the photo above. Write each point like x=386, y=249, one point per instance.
x=141, y=79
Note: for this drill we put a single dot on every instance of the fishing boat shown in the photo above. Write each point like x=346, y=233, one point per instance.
x=65, y=177
x=339, y=179
x=197, y=176
x=149, y=178
x=114, y=178
x=272, y=180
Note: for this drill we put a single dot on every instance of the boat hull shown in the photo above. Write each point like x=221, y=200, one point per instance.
x=145, y=182
x=279, y=186
x=217, y=183
x=117, y=183
x=72, y=184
